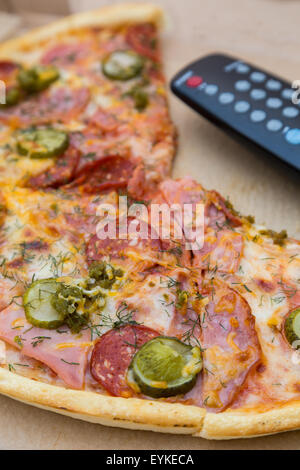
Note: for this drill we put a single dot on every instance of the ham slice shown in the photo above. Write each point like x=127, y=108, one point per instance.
x=223, y=245
x=65, y=353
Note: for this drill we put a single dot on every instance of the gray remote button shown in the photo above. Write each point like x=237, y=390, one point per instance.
x=274, y=125
x=293, y=136
x=257, y=77
x=257, y=94
x=242, y=68
x=273, y=85
x=274, y=103
x=241, y=106
x=226, y=98
x=211, y=90
x=242, y=85
x=290, y=112
x=287, y=93
x=258, y=115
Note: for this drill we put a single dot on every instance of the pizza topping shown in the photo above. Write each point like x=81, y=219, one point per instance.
x=39, y=310
x=49, y=303
x=143, y=39
x=65, y=353
x=61, y=173
x=12, y=97
x=111, y=172
x=112, y=355
x=42, y=143
x=65, y=54
x=292, y=327
x=164, y=367
x=230, y=344
x=37, y=78
x=7, y=67
x=122, y=65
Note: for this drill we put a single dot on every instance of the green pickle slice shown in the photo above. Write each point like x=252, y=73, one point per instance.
x=42, y=143
x=122, y=65
x=164, y=367
x=292, y=326
x=37, y=78
x=38, y=306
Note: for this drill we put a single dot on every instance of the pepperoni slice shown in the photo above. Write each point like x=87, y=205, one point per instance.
x=61, y=173
x=104, y=121
x=7, y=67
x=117, y=248
x=113, y=353
x=57, y=104
x=230, y=345
x=111, y=172
x=65, y=54
x=143, y=39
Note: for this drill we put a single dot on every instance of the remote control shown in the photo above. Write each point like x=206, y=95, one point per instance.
x=245, y=99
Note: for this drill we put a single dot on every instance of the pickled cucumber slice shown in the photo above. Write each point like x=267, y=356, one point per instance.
x=292, y=326
x=165, y=367
x=38, y=306
x=122, y=65
x=37, y=78
x=42, y=143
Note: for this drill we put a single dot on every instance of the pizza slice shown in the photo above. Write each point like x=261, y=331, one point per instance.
x=160, y=324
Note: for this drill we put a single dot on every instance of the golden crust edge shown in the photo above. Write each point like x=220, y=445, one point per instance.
x=138, y=414
x=245, y=424
x=113, y=15
x=130, y=413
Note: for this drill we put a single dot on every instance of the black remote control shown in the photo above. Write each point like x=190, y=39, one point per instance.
x=245, y=99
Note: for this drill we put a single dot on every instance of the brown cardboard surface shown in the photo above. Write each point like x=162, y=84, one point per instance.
x=266, y=33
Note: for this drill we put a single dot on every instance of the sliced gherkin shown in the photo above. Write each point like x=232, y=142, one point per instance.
x=38, y=306
x=37, y=78
x=122, y=65
x=164, y=367
x=42, y=143
x=292, y=326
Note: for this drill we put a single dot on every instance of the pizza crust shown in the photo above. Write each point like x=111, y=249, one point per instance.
x=109, y=16
x=132, y=413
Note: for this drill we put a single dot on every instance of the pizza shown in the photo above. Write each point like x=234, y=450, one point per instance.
x=108, y=314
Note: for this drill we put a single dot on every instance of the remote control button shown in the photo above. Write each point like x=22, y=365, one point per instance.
x=194, y=81
x=257, y=77
x=290, y=112
x=258, y=116
x=226, y=98
x=241, y=106
x=293, y=136
x=242, y=68
x=274, y=125
x=287, y=93
x=274, y=103
x=211, y=90
x=273, y=85
x=257, y=94
x=242, y=85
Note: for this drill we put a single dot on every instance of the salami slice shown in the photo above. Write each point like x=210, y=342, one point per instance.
x=113, y=353
x=230, y=345
x=58, y=104
x=118, y=248
x=7, y=68
x=65, y=54
x=107, y=173
x=60, y=174
x=143, y=39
